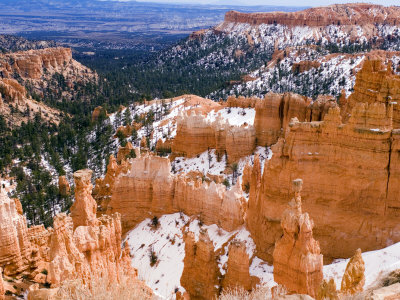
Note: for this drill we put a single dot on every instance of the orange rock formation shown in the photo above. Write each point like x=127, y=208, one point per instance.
x=63, y=186
x=274, y=113
x=2, y=291
x=15, y=249
x=13, y=98
x=82, y=246
x=330, y=155
x=32, y=63
x=200, y=273
x=375, y=84
x=304, y=66
x=298, y=262
x=83, y=211
x=338, y=14
x=327, y=290
x=195, y=135
x=354, y=279
x=237, y=273
x=148, y=188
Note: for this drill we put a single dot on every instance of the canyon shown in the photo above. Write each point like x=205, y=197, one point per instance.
x=224, y=227
x=318, y=141
x=294, y=195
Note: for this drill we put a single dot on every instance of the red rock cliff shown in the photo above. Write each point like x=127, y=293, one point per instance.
x=337, y=162
x=195, y=134
x=376, y=83
x=338, y=14
x=149, y=188
x=15, y=248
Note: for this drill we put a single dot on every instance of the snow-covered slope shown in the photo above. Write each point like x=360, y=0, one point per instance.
x=166, y=241
x=378, y=263
x=307, y=71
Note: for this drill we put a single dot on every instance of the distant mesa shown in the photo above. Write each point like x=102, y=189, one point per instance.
x=338, y=14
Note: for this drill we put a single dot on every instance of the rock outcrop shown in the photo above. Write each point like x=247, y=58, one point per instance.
x=274, y=112
x=83, y=211
x=375, y=83
x=353, y=278
x=237, y=273
x=16, y=106
x=330, y=155
x=33, y=63
x=82, y=246
x=15, y=248
x=361, y=14
x=298, y=262
x=35, y=69
x=200, y=273
x=63, y=186
x=148, y=188
x=195, y=134
x=327, y=290
x=2, y=291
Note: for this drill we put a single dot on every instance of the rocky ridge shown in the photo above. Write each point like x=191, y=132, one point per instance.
x=309, y=71
x=360, y=14
x=27, y=75
x=89, y=251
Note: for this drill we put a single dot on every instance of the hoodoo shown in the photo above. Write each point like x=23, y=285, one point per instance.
x=297, y=258
x=15, y=248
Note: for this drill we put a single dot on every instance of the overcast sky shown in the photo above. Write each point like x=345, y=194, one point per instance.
x=277, y=2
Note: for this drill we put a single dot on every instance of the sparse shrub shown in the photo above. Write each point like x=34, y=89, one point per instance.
x=154, y=222
x=132, y=154
x=392, y=278
x=45, y=272
x=153, y=257
x=226, y=183
x=259, y=293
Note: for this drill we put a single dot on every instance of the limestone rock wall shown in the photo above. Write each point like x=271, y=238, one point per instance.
x=195, y=134
x=2, y=291
x=274, y=112
x=82, y=246
x=237, y=273
x=200, y=273
x=298, y=262
x=33, y=63
x=375, y=83
x=350, y=189
x=148, y=188
x=15, y=248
